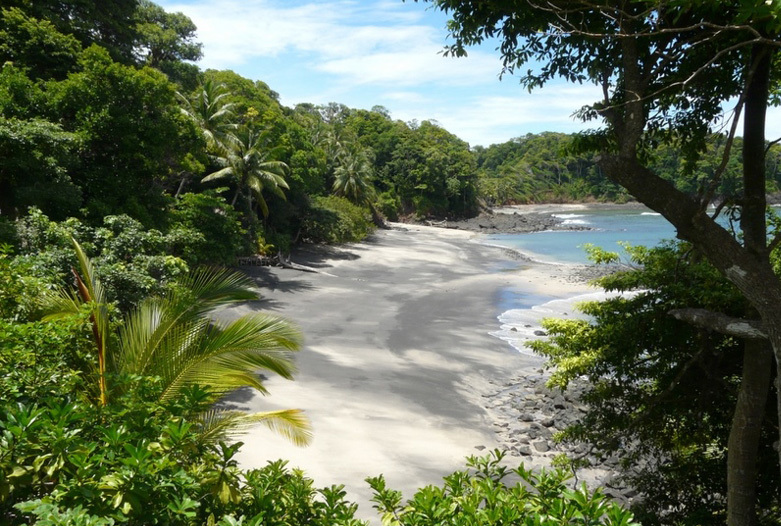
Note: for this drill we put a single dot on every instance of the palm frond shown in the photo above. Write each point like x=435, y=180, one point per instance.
x=289, y=423
x=219, y=174
x=246, y=345
x=214, y=287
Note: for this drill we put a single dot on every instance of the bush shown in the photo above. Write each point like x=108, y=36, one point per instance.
x=334, y=219
x=131, y=261
x=204, y=228
x=482, y=498
x=389, y=205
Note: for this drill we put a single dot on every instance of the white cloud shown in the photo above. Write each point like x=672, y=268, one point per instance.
x=490, y=119
x=374, y=52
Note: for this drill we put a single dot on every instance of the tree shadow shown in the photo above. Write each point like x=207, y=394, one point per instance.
x=317, y=256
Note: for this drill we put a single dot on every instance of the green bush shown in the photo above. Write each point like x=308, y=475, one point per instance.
x=20, y=289
x=481, y=497
x=389, y=205
x=132, y=262
x=204, y=228
x=39, y=359
x=334, y=219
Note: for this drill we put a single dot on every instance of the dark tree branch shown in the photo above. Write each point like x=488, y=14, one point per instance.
x=718, y=322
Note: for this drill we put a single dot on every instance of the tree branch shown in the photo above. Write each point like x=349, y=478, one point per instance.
x=718, y=322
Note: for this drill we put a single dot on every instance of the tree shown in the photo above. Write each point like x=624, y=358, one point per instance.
x=165, y=41
x=36, y=46
x=211, y=112
x=247, y=161
x=108, y=23
x=660, y=392
x=666, y=69
x=174, y=339
x=132, y=133
x=352, y=176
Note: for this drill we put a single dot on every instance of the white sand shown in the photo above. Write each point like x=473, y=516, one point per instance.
x=398, y=356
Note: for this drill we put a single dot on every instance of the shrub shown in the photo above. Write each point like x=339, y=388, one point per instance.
x=482, y=498
x=334, y=219
x=389, y=205
x=204, y=228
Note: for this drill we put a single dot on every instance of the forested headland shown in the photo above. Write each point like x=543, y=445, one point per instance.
x=130, y=179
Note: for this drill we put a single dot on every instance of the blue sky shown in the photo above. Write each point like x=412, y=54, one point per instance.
x=363, y=53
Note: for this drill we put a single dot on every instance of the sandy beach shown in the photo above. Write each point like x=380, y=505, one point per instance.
x=399, y=368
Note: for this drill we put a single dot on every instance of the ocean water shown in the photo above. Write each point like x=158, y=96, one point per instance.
x=606, y=228
x=523, y=311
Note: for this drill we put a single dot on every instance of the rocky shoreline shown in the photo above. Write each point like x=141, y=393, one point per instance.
x=503, y=223
x=526, y=416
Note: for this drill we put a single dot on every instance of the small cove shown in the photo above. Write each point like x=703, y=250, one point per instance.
x=521, y=311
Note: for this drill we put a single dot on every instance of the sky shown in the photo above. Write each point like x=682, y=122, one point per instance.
x=365, y=53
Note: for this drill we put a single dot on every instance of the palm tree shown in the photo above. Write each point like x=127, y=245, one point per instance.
x=250, y=165
x=352, y=175
x=352, y=179
x=174, y=339
x=212, y=113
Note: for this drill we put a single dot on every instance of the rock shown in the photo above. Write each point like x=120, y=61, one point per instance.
x=547, y=422
x=526, y=417
x=480, y=448
x=540, y=333
x=525, y=450
x=541, y=446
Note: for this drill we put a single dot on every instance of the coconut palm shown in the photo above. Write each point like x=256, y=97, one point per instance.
x=352, y=175
x=174, y=339
x=248, y=162
x=212, y=113
x=352, y=179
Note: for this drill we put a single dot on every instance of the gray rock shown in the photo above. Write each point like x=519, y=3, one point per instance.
x=541, y=446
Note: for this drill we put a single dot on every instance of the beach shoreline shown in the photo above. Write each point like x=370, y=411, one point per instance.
x=399, y=372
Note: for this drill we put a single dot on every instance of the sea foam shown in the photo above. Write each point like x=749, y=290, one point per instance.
x=518, y=327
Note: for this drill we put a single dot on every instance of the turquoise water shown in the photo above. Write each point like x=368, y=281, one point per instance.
x=606, y=229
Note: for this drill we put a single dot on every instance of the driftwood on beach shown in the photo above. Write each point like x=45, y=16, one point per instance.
x=279, y=260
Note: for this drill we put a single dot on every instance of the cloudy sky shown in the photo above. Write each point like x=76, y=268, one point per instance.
x=363, y=53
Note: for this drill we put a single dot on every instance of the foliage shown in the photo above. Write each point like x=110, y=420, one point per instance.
x=132, y=134
x=36, y=46
x=132, y=261
x=248, y=163
x=204, y=228
x=543, y=167
x=482, y=496
x=334, y=219
x=43, y=359
x=174, y=339
x=165, y=41
x=36, y=157
x=660, y=392
x=20, y=290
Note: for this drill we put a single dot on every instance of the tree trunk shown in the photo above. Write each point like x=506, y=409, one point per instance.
x=745, y=433
x=746, y=265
